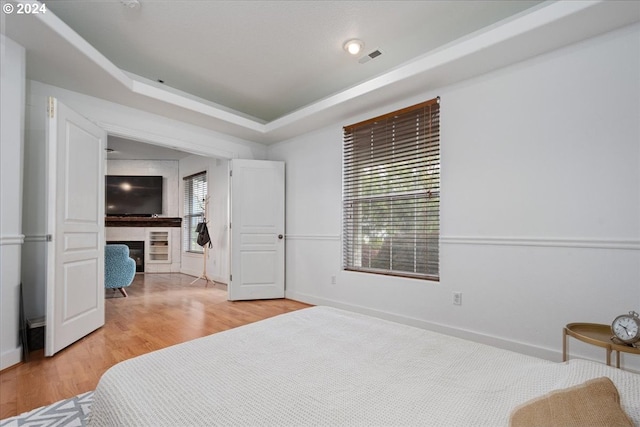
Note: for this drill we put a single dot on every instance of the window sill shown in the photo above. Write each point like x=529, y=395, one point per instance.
x=395, y=274
x=193, y=254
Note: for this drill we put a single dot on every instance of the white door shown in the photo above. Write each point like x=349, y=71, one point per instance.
x=257, y=230
x=75, y=212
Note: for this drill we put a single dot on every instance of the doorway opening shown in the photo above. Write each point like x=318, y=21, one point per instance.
x=130, y=155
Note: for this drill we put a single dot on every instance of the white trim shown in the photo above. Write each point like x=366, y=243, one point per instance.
x=189, y=102
x=16, y=239
x=527, y=23
x=623, y=244
x=155, y=139
x=196, y=255
x=312, y=237
x=540, y=352
x=543, y=242
x=519, y=347
x=137, y=85
x=10, y=358
x=626, y=244
x=84, y=47
x=219, y=280
x=36, y=238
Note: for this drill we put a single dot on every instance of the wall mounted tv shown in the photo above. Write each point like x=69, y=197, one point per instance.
x=133, y=195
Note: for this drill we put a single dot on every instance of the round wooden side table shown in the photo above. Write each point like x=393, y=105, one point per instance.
x=598, y=335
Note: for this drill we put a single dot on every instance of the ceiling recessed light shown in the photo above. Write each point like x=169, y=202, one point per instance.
x=354, y=46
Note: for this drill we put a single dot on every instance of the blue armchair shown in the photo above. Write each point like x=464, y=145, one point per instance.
x=119, y=269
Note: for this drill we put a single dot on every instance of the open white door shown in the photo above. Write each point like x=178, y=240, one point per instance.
x=75, y=212
x=257, y=230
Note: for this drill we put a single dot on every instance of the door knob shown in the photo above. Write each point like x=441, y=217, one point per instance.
x=280, y=236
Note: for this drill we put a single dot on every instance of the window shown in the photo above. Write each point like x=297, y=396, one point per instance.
x=195, y=191
x=391, y=193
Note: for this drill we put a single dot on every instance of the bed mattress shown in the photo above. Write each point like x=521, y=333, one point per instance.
x=324, y=366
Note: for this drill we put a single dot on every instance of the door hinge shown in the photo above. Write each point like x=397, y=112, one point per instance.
x=231, y=277
x=48, y=238
x=230, y=173
x=50, y=108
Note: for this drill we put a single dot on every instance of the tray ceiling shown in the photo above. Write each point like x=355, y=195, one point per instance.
x=268, y=70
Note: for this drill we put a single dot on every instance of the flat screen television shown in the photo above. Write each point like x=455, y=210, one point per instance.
x=133, y=195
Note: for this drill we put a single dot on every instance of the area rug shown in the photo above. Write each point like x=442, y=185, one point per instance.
x=65, y=413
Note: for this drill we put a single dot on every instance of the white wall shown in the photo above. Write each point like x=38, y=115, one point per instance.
x=118, y=120
x=218, y=218
x=12, y=100
x=540, y=204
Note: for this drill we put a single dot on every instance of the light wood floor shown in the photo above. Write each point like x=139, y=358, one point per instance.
x=161, y=310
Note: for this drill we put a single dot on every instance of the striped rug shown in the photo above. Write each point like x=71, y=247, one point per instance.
x=65, y=413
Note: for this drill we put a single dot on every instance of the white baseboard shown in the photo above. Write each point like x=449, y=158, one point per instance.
x=11, y=239
x=219, y=279
x=540, y=352
x=10, y=358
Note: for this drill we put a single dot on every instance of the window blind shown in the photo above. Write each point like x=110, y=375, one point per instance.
x=195, y=191
x=391, y=193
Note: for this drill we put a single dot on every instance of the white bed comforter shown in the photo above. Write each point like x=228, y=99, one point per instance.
x=323, y=366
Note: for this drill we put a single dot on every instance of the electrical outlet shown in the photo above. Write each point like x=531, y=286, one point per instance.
x=457, y=298
x=333, y=280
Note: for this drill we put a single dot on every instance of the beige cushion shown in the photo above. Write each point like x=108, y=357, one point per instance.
x=593, y=403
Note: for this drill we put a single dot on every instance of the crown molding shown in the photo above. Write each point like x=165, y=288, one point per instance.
x=552, y=24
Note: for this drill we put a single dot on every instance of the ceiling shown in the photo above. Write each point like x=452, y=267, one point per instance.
x=266, y=71
x=126, y=149
x=269, y=58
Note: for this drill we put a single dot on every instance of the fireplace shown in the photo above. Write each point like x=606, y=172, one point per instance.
x=136, y=252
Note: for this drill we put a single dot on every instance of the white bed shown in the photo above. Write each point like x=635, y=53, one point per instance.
x=323, y=366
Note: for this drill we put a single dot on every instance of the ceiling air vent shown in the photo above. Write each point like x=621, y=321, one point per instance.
x=370, y=56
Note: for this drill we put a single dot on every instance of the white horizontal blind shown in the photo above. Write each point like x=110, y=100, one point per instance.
x=195, y=191
x=391, y=193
